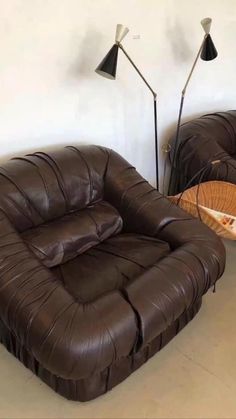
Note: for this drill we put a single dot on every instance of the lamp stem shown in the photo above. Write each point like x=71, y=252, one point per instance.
x=172, y=182
x=154, y=105
x=156, y=140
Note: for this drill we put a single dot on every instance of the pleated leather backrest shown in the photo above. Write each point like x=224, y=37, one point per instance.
x=43, y=186
x=218, y=127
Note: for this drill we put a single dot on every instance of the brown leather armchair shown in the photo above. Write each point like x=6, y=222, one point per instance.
x=98, y=270
x=207, y=139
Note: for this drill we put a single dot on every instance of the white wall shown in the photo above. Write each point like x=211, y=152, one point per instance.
x=50, y=94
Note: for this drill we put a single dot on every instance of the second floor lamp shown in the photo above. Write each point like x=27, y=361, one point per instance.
x=207, y=52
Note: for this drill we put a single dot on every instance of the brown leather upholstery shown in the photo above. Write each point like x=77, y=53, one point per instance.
x=203, y=140
x=98, y=270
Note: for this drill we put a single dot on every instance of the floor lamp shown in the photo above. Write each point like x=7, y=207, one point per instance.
x=107, y=68
x=207, y=52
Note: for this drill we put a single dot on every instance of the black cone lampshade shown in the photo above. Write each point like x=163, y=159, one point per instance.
x=107, y=68
x=209, y=51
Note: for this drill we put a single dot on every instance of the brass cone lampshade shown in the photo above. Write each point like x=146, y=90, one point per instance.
x=107, y=68
x=209, y=51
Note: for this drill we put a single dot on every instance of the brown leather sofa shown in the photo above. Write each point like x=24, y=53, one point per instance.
x=98, y=270
x=204, y=140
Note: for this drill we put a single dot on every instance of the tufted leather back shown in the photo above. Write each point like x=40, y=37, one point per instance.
x=202, y=140
x=218, y=128
x=44, y=186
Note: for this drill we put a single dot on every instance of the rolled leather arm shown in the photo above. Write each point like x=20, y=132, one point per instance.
x=144, y=210
x=195, y=262
x=71, y=339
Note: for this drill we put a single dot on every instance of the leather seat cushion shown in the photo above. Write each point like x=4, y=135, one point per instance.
x=110, y=265
x=65, y=238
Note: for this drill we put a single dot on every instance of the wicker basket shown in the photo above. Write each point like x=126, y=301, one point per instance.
x=219, y=196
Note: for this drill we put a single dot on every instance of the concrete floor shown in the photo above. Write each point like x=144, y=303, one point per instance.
x=193, y=377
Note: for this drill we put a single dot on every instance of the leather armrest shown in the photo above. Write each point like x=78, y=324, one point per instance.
x=175, y=283
x=144, y=210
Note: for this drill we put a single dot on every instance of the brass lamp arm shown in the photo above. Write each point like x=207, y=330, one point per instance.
x=193, y=67
x=136, y=68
